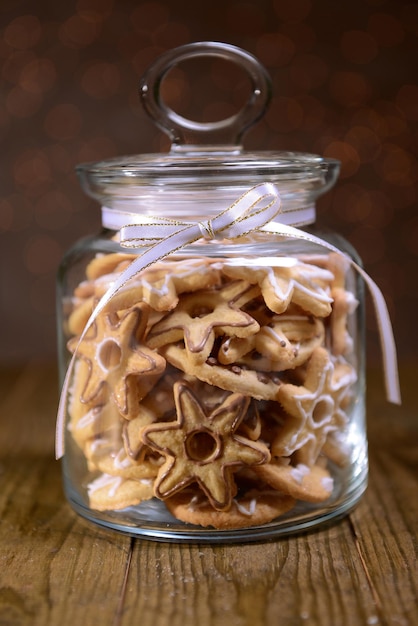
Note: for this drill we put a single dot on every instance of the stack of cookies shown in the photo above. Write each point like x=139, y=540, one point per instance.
x=222, y=387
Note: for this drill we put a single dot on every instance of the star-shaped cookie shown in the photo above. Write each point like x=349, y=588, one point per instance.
x=286, y=280
x=117, y=360
x=199, y=318
x=203, y=448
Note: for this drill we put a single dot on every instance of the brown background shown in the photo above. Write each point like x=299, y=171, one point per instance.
x=345, y=86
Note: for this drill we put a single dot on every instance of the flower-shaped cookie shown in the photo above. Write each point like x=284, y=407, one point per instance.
x=286, y=280
x=203, y=449
x=315, y=408
x=117, y=360
x=199, y=318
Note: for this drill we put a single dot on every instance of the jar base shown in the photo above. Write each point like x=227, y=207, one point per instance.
x=151, y=519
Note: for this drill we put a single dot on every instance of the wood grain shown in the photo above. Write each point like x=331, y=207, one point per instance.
x=56, y=568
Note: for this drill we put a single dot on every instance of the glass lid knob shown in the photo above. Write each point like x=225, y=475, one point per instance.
x=189, y=135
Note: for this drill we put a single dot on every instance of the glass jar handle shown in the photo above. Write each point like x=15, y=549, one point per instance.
x=188, y=135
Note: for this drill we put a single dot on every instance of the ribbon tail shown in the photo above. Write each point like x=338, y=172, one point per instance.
x=387, y=340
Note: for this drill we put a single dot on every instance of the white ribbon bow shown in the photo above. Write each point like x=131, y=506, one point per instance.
x=254, y=210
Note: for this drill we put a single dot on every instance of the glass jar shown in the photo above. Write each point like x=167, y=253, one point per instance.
x=211, y=339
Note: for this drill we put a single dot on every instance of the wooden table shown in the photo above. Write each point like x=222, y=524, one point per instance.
x=58, y=569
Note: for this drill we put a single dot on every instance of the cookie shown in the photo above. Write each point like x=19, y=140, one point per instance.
x=285, y=280
x=254, y=384
x=315, y=408
x=158, y=286
x=119, y=364
x=203, y=448
x=286, y=342
x=310, y=484
x=114, y=492
x=99, y=424
x=253, y=508
x=100, y=435
x=118, y=463
x=108, y=263
x=344, y=302
x=161, y=284
x=199, y=318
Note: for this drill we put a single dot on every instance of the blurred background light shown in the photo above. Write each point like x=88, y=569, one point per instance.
x=344, y=86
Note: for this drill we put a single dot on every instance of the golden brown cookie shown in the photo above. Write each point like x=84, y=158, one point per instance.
x=198, y=319
x=310, y=484
x=100, y=424
x=119, y=363
x=161, y=284
x=203, y=448
x=344, y=304
x=118, y=463
x=285, y=280
x=315, y=408
x=253, y=508
x=107, y=264
x=258, y=385
x=158, y=286
x=344, y=301
x=286, y=342
x=114, y=492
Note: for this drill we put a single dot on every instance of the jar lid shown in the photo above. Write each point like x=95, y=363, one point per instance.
x=206, y=167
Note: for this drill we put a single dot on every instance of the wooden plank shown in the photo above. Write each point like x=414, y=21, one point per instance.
x=387, y=529
x=316, y=578
x=28, y=403
x=54, y=567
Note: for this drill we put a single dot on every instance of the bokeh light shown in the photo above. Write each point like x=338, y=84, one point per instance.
x=284, y=115
x=42, y=254
x=101, y=80
x=78, y=32
x=275, y=49
x=386, y=29
x=350, y=89
x=346, y=154
x=294, y=11
x=23, y=32
x=358, y=46
x=308, y=72
x=63, y=122
x=344, y=86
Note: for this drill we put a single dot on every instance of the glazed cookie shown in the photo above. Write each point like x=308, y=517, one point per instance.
x=344, y=302
x=99, y=424
x=199, y=318
x=203, y=448
x=285, y=280
x=119, y=363
x=258, y=385
x=118, y=463
x=310, y=484
x=158, y=286
x=315, y=408
x=286, y=342
x=253, y=508
x=99, y=434
x=108, y=263
x=161, y=284
x=114, y=492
